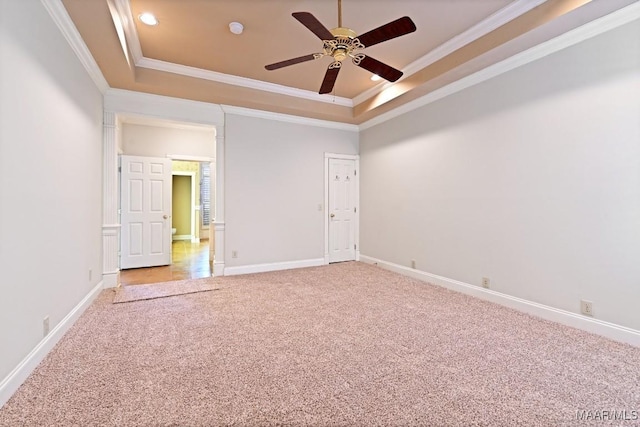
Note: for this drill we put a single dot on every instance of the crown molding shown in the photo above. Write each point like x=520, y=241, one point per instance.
x=249, y=112
x=199, y=73
x=496, y=20
x=59, y=14
x=606, y=23
x=123, y=8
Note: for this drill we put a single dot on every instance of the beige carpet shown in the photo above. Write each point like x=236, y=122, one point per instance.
x=160, y=290
x=347, y=344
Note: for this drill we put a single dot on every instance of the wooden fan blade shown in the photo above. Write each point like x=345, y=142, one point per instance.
x=291, y=61
x=383, y=70
x=329, y=80
x=310, y=21
x=389, y=31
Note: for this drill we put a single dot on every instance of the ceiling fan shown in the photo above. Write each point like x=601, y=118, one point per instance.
x=341, y=42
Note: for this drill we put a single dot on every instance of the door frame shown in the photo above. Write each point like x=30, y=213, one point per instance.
x=119, y=103
x=328, y=156
x=192, y=202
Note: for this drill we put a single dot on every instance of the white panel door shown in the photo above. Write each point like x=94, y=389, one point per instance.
x=342, y=210
x=145, y=185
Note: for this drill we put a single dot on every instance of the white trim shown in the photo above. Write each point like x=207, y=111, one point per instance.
x=123, y=7
x=119, y=23
x=182, y=237
x=62, y=19
x=126, y=102
x=190, y=158
x=111, y=279
x=10, y=384
x=356, y=158
x=498, y=19
x=342, y=156
x=589, y=324
x=147, y=121
x=110, y=201
x=199, y=73
x=268, y=115
x=606, y=23
x=276, y=266
x=218, y=252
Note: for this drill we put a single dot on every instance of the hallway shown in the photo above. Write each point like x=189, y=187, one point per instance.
x=189, y=261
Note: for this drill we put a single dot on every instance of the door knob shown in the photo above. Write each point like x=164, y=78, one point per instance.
x=332, y=215
x=165, y=216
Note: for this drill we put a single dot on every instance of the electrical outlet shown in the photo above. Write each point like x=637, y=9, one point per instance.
x=586, y=307
x=234, y=254
x=413, y=263
x=45, y=326
x=485, y=282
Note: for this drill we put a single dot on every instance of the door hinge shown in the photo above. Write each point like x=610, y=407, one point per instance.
x=119, y=168
x=355, y=210
x=355, y=172
x=354, y=247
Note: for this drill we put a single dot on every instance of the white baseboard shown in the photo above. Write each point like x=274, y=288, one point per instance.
x=111, y=280
x=599, y=327
x=218, y=269
x=20, y=373
x=181, y=237
x=261, y=268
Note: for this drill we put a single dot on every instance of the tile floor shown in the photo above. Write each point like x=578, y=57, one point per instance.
x=189, y=261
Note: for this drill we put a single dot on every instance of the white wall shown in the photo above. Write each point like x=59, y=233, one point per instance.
x=158, y=141
x=531, y=179
x=274, y=183
x=50, y=179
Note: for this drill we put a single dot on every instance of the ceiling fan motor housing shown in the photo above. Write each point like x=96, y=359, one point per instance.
x=345, y=42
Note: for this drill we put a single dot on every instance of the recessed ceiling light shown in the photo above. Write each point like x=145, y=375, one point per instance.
x=236, y=27
x=148, y=19
x=375, y=77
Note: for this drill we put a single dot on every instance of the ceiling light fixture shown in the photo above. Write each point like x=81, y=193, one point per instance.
x=236, y=27
x=375, y=78
x=148, y=19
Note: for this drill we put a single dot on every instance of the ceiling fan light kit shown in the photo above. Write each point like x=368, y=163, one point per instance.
x=341, y=43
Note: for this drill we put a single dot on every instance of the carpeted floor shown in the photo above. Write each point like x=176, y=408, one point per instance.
x=346, y=344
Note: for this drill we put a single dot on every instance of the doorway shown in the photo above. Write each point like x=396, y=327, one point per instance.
x=184, y=205
x=188, y=227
